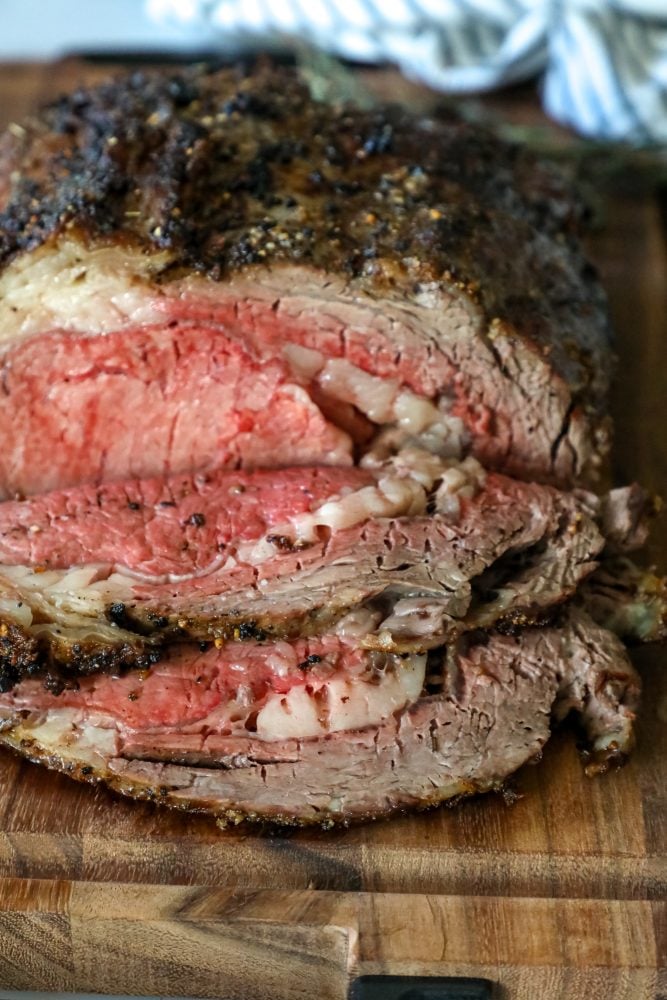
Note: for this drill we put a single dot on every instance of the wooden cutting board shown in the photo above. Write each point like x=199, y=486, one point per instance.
x=560, y=894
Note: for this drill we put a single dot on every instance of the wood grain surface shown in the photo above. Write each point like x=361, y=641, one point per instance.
x=278, y=945
x=558, y=895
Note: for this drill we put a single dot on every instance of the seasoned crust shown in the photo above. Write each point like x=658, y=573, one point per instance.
x=59, y=659
x=226, y=172
x=229, y=817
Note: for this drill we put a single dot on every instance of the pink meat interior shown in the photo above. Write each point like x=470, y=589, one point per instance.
x=190, y=684
x=157, y=527
x=209, y=388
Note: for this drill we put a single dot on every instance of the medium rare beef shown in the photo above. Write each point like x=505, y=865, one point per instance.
x=266, y=367
x=211, y=269
x=89, y=576
x=497, y=697
x=163, y=530
x=306, y=688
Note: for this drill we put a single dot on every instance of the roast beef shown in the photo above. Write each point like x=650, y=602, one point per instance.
x=497, y=698
x=211, y=269
x=305, y=688
x=267, y=369
x=101, y=577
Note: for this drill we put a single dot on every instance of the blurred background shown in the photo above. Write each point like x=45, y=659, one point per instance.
x=46, y=29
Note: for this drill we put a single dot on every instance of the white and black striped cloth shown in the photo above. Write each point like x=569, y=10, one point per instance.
x=604, y=62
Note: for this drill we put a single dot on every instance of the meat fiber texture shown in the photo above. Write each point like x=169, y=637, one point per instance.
x=296, y=459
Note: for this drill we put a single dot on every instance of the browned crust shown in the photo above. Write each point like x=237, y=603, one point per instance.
x=231, y=171
x=595, y=764
x=58, y=660
x=226, y=816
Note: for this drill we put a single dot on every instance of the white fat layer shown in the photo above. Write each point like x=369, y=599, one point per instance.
x=413, y=618
x=304, y=361
x=405, y=418
x=93, y=290
x=459, y=480
x=382, y=400
x=339, y=704
x=358, y=623
x=391, y=497
x=61, y=728
x=374, y=397
x=72, y=598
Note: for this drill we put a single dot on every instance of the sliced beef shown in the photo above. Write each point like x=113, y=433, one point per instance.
x=506, y=554
x=194, y=229
x=498, y=697
x=307, y=688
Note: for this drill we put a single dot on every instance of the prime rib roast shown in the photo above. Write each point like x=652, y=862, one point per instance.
x=302, y=414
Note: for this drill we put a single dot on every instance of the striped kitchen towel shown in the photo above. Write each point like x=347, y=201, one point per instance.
x=604, y=62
